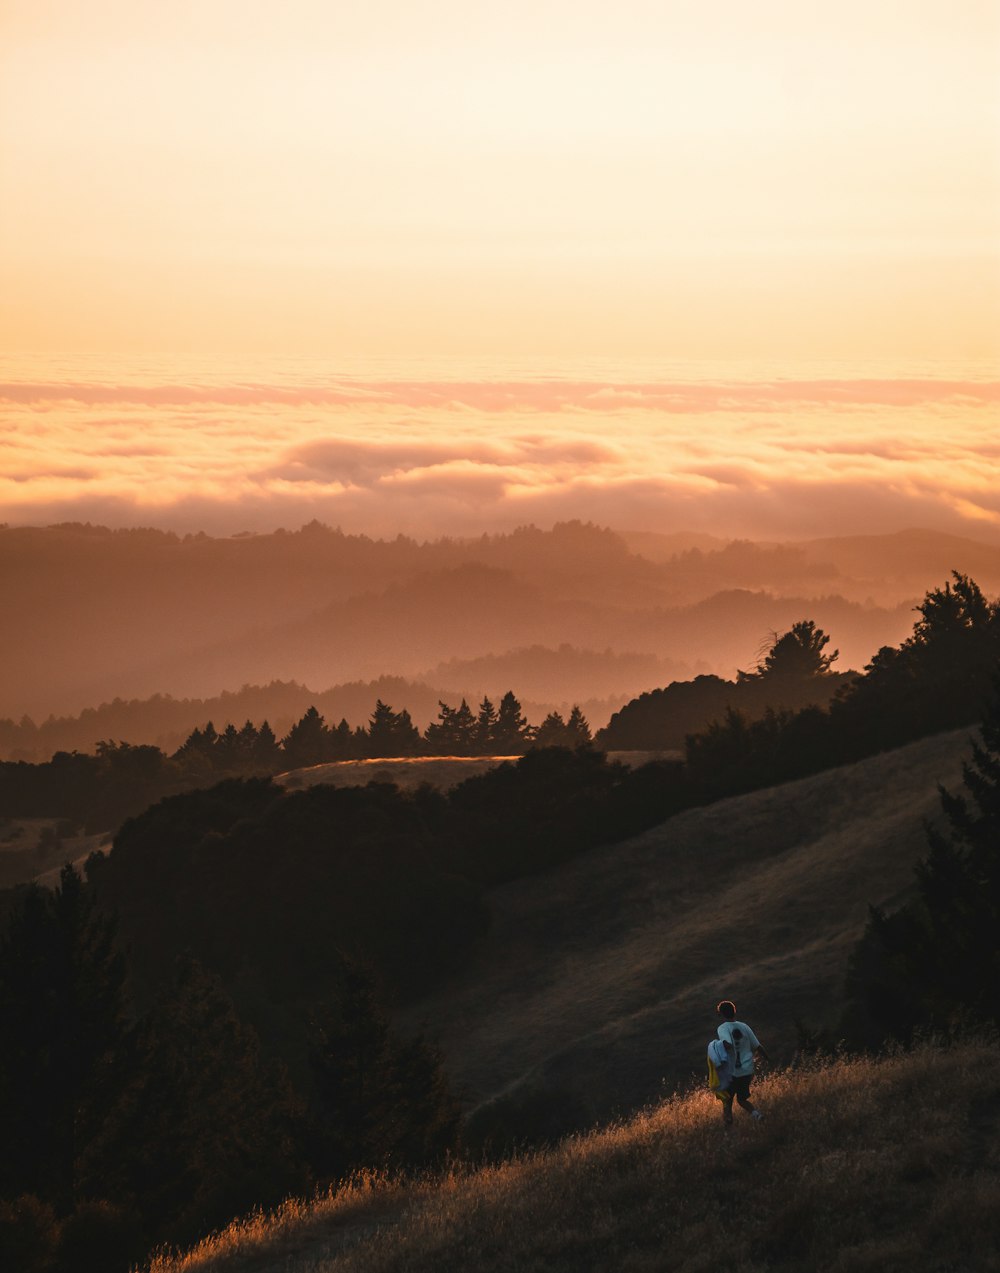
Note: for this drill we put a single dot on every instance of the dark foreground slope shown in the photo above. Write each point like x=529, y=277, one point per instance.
x=884, y=1166
x=598, y=980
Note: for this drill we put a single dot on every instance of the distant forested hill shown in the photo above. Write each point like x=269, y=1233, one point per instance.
x=103, y=614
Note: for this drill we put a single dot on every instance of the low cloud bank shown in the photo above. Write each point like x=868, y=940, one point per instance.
x=761, y=459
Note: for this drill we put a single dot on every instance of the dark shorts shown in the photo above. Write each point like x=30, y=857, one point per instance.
x=740, y=1087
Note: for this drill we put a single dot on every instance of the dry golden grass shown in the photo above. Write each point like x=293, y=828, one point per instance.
x=406, y=772
x=409, y=772
x=858, y=1165
x=599, y=977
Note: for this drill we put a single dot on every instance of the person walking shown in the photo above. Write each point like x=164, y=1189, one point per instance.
x=746, y=1046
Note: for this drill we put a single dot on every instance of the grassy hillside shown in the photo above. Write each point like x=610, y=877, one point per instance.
x=37, y=848
x=598, y=979
x=406, y=772
x=409, y=772
x=887, y=1165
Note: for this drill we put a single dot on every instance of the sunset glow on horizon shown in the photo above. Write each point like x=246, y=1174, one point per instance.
x=627, y=199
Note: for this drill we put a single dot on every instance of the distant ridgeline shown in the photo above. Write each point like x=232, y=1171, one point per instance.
x=790, y=716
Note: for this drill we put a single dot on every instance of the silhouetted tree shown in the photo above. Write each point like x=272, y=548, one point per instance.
x=551, y=732
x=61, y=1021
x=228, y=751
x=376, y=1100
x=348, y=1045
x=266, y=756
x=796, y=653
x=512, y=732
x=202, y=1128
x=195, y=757
x=578, y=727
x=392, y=733
x=936, y=962
x=737, y=754
x=307, y=742
x=937, y=679
x=486, y=724
x=556, y=732
x=453, y=733
x=664, y=717
x=345, y=743
x=246, y=747
x=194, y=744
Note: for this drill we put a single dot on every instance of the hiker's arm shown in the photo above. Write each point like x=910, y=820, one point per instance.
x=761, y=1052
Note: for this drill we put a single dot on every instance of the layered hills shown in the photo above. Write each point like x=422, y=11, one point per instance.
x=104, y=614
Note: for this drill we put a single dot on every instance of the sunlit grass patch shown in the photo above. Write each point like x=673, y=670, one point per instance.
x=251, y=1242
x=858, y=1164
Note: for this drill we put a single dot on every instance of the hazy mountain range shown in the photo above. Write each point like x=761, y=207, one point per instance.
x=574, y=614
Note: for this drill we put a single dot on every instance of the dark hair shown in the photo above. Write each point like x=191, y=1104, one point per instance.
x=726, y=1008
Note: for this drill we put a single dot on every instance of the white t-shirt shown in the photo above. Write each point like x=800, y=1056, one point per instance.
x=743, y=1046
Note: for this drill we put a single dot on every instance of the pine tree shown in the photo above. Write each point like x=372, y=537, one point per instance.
x=195, y=758
x=578, y=728
x=512, y=732
x=453, y=733
x=392, y=733
x=486, y=723
x=465, y=730
x=266, y=756
x=551, y=732
x=246, y=747
x=344, y=743
x=228, y=752
x=193, y=744
x=307, y=742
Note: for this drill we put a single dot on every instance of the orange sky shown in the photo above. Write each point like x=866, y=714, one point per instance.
x=552, y=177
x=447, y=266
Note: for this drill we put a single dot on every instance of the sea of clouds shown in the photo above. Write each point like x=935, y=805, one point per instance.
x=432, y=451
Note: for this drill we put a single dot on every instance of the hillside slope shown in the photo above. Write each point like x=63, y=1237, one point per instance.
x=598, y=980
x=884, y=1166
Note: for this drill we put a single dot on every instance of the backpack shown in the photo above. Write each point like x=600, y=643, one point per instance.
x=720, y=1066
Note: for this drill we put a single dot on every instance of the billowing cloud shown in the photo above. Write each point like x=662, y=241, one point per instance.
x=757, y=458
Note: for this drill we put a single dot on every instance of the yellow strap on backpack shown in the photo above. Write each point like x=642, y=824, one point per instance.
x=722, y=1093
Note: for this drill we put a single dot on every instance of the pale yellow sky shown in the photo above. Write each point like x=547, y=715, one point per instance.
x=730, y=180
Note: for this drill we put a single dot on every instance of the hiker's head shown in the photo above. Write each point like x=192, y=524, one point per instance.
x=726, y=1009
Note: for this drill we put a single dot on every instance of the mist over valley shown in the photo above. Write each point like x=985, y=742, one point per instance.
x=574, y=614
